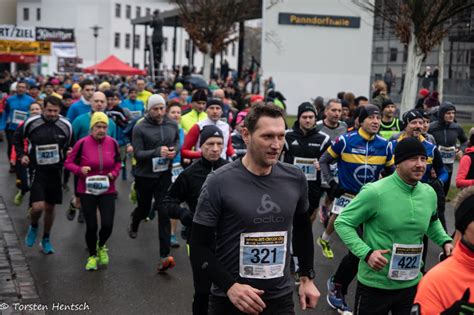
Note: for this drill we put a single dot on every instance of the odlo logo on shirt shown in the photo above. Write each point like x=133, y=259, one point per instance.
x=270, y=209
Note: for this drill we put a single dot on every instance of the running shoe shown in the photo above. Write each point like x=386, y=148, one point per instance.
x=102, y=255
x=91, y=263
x=71, y=212
x=80, y=217
x=18, y=183
x=31, y=236
x=47, y=247
x=184, y=232
x=124, y=171
x=174, y=241
x=326, y=249
x=133, y=194
x=18, y=198
x=335, y=298
x=165, y=264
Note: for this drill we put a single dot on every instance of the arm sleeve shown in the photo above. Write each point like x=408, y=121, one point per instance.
x=359, y=210
x=118, y=162
x=176, y=194
x=464, y=166
x=390, y=158
x=190, y=141
x=438, y=166
x=303, y=245
x=230, y=149
x=139, y=147
x=462, y=138
x=71, y=113
x=427, y=296
x=5, y=114
x=71, y=159
x=324, y=162
x=18, y=141
x=203, y=260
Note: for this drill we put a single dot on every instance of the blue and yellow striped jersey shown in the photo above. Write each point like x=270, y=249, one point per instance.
x=360, y=158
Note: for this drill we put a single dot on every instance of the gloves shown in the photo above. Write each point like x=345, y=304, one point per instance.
x=334, y=190
x=461, y=306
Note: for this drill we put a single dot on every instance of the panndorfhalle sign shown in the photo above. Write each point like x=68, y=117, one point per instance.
x=319, y=20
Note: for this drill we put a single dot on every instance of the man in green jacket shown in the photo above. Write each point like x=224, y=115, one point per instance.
x=395, y=213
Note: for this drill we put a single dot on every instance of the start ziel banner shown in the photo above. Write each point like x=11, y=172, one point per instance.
x=13, y=32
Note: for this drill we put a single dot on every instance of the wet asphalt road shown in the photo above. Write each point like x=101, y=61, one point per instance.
x=130, y=283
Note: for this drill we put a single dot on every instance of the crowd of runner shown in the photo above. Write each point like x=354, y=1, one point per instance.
x=247, y=188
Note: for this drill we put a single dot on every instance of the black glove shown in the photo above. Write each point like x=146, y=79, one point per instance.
x=334, y=190
x=461, y=306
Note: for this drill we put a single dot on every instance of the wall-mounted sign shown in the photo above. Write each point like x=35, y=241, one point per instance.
x=13, y=32
x=25, y=47
x=319, y=20
x=47, y=34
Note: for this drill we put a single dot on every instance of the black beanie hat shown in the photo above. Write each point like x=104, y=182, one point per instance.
x=368, y=110
x=387, y=102
x=199, y=95
x=306, y=107
x=345, y=103
x=410, y=115
x=214, y=101
x=208, y=132
x=464, y=214
x=407, y=148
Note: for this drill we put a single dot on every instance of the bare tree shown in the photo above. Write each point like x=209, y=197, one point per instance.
x=420, y=24
x=211, y=24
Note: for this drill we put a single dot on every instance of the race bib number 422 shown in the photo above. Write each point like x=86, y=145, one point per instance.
x=405, y=262
x=262, y=254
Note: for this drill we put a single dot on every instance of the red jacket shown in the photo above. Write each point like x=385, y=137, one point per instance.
x=464, y=166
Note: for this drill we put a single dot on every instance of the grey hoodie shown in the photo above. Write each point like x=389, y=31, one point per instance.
x=147, y=139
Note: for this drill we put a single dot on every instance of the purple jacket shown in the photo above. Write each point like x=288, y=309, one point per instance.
x=103, y=157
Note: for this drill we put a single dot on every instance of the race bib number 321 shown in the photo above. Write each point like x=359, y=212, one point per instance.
x=262, y=255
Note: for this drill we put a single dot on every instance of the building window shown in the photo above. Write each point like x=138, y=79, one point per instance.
x=166, y=43
x=127, y=40
x=136, y=41
x=128, y=11
x=138, y=12
x=117, y=40
x=38, y=14
x=233, y=49
x=148, y=11
x=393, y=54
x=118, y=10
x=26, y=14
x=378, y=56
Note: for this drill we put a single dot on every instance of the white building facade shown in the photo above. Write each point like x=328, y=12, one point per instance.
x=115, y=33
x=316, y=48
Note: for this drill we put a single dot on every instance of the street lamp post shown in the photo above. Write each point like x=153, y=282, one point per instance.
x=95, y=29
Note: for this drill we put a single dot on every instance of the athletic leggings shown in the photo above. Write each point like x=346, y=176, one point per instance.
x=106, y=205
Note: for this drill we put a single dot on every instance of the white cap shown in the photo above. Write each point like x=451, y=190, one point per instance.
x=154, y=100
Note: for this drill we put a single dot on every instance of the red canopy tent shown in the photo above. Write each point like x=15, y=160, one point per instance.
x=113, y=65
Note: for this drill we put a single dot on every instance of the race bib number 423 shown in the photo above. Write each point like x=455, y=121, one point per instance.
x=262, y=255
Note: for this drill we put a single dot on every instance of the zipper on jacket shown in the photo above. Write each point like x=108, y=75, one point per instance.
x=101, y=162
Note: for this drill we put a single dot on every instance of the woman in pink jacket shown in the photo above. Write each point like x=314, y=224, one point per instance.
x=96, y=160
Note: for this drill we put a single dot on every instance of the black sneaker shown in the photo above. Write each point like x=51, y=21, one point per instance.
x=71, y=212
x=184, y=232
x=80, y=217
x=131, y=233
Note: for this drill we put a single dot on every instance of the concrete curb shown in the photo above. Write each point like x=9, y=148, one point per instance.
x=16, y=280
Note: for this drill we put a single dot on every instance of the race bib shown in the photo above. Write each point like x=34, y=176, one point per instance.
x=448, y=154
x=175, y=171
x=262, y=255
x=405, y=262
x=160, y=164
x=136, y=113
x=307, y=166
x=97, y=185
x=340, y=203
x=19, y=116
x=47, y=154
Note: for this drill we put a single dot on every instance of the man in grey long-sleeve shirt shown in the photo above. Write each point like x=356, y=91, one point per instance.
x=155, y=141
